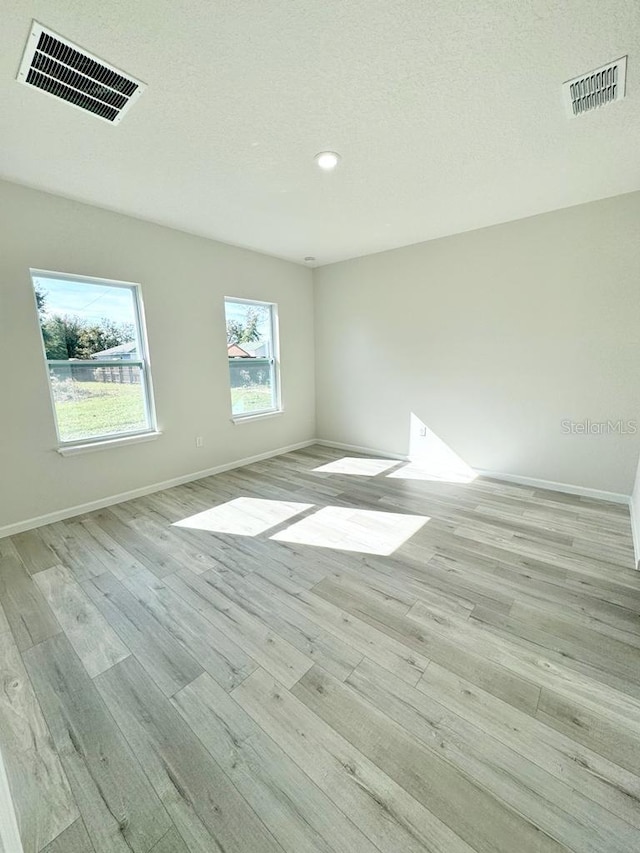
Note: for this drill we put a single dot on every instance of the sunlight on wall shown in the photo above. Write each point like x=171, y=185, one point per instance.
x=431, y=458
x=9, y=832
x=357, y=467
x=353, y=530
x=244, y=516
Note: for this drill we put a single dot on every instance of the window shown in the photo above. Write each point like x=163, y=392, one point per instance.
x=252, y=348
x=96, y=352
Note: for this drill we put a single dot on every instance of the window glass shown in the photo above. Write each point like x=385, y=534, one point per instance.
x=95, y=349
x=252, y=354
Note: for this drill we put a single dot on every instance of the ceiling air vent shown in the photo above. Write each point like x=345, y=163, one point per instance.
x=64, y=70
x=597, y=88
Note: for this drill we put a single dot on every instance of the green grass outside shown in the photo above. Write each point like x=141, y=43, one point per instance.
x=251, y=399
x=100, y=408
x=104, y=408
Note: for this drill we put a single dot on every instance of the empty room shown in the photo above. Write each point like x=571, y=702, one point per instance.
x=320, y=426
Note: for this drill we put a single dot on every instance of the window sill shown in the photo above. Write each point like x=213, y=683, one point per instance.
x=241, y=419
x=105, y=443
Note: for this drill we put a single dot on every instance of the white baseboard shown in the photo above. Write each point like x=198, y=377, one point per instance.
x=567, y=488
x=70, y=512
x=356, y=448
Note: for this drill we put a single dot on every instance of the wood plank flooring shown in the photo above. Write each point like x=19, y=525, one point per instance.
x=281, y=659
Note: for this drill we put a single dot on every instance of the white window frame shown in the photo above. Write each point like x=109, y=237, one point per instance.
x=274, y=361
x=96, y=442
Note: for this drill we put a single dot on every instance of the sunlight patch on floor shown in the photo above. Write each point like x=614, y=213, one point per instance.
x=435, y=473
x=244, y=516
x=347, y=529
x=357, y=467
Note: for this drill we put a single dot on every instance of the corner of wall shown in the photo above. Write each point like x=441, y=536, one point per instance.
x=9, y=831
x=316, y=382
x=634, y=509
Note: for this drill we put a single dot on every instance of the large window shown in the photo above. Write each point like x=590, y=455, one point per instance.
x=96, y=353
x=252, y=348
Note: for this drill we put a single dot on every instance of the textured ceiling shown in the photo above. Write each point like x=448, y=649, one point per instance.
x=447, y=113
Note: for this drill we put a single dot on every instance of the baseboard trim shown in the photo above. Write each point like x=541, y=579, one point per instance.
x=80, y=509
x=551, y=485
x=567, y=488
x=356, y=448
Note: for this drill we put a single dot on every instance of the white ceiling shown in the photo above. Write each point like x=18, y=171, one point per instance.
x=447, y=113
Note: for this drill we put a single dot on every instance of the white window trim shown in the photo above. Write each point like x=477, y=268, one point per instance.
x=256, y=416
x=275, y=344
x=92, y=443
x=106, y=443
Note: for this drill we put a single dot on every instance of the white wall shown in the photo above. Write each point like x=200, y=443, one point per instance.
x=184, y=280
x=492, y=338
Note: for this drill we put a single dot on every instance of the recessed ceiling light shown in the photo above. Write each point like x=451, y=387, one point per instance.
x=327, y=160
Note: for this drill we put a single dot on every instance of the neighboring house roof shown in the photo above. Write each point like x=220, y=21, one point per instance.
x=235, y=351
x=114, y=352
x=254, y=348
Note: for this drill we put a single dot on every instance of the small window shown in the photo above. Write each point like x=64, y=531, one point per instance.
x=252, y=348
x=96, y=352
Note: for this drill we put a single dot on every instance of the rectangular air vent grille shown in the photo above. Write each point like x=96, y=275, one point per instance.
x=66, y=71
x=597, y=88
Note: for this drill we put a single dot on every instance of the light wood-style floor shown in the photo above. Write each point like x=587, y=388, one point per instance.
x=467, y=678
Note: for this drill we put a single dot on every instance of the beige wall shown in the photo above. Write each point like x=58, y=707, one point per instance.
x=184, y=280
x=492, y=338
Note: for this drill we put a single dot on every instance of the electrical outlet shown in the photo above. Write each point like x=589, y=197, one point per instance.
x=199, y=441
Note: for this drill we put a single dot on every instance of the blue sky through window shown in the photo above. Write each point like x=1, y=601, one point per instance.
x=88, y=301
